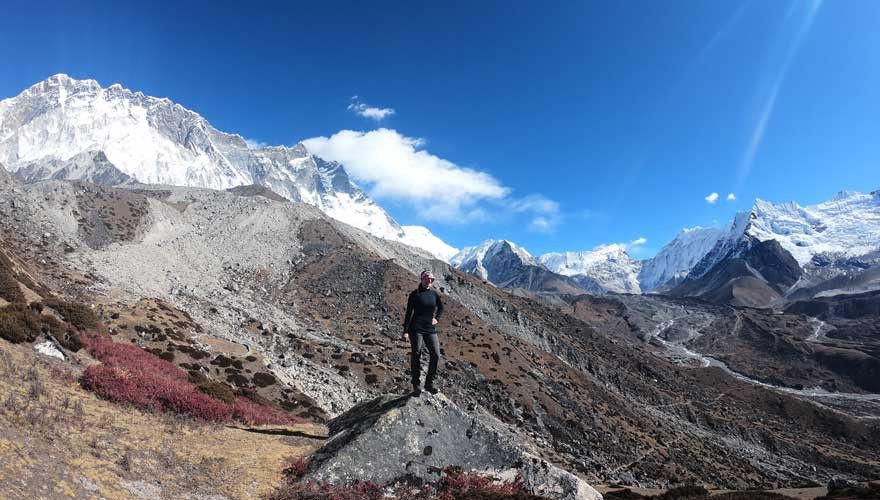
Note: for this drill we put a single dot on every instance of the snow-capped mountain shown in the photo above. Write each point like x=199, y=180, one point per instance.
x=608, y=265
x=678, y=257
x=822, y=238
x=155, y=141
x=510, y=266
x=473, y=259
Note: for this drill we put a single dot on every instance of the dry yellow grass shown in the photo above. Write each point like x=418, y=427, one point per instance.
x=59, y=441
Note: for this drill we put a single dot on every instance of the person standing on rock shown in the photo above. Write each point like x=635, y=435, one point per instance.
x=423, y=310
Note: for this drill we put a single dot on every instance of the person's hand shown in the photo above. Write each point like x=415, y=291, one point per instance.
x=405, y=337
x=433, y=321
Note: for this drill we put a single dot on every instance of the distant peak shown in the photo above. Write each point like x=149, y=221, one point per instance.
x=845, y=194
x=300, y=148
x=67, y=80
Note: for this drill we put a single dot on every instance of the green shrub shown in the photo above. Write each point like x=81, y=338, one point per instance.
x=78, y=315
x=217, y=390
x=9, y=289
x=263, y=379
x=18, y=323
x=70, y=340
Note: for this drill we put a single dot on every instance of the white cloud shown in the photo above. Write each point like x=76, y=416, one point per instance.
x=255, y=143
x=534, y=203
x=541, y=224
x=712, y=198
x=731, y=197
x=396, y=167
x=638, y=241
x=368, y=111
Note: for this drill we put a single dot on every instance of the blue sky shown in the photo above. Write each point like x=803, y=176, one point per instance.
x=558, y=125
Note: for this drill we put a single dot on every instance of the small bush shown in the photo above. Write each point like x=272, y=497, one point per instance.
x=297, y=468
x=217, y=390
x=9, y=289
x=456, y=484
x=70, y=340
x=18, y=323
x=78, y=315
x=263, y=379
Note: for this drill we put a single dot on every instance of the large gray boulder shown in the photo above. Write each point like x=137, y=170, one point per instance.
x=394, y=437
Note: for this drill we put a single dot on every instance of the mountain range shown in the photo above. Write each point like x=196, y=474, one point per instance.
x=811, y=245
x=63, y=128
x=77, y=129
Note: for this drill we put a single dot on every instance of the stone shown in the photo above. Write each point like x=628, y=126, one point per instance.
x=392, y=438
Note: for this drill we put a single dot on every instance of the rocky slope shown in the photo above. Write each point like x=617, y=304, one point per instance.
x=319, y=303
x=47, y=130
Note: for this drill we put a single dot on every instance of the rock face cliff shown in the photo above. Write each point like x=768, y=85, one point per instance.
x=394, y=438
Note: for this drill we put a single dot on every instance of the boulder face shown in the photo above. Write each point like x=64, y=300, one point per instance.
x=393, y=437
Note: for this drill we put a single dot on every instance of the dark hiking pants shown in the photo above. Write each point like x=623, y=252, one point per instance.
x=429, y=340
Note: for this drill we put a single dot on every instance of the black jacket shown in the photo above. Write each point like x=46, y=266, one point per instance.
x=420, y=310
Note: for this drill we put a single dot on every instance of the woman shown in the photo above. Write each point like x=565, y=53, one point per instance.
x=423, y=309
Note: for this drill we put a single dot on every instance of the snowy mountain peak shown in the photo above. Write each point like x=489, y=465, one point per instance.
x=156, y=141
x=610, y=266
x=843, y=228
x=487, y=249
x=675, y=260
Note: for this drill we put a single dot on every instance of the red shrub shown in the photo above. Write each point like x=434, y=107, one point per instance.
x=297, y=469
x=310, y=490
x=247, y=411
x=131, y=375
x=456, y=484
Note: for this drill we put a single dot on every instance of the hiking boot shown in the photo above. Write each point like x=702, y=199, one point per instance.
x=417, y=391
x=430, y=388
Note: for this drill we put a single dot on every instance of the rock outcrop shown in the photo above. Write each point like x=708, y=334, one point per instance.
x=401, y=437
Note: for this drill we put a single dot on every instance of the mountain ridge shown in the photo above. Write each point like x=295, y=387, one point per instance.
x=156, y=141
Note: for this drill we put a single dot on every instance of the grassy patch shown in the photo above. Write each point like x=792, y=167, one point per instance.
x=51, y=431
